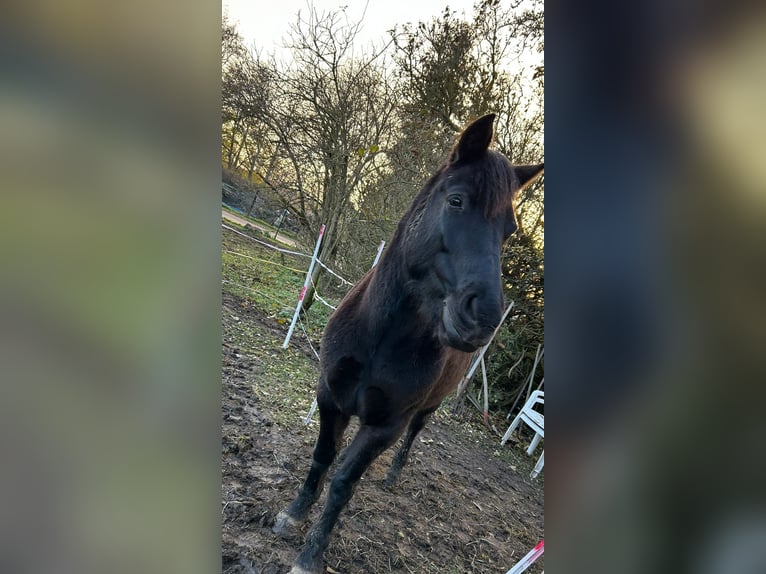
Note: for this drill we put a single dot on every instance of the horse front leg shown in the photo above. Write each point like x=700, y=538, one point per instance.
x=400, y=458
x=367, y=445
x=332, y=423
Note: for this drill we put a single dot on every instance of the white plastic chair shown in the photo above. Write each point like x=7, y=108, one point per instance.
x=534, y=420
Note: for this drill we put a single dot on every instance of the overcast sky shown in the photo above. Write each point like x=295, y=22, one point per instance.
x=266, y=23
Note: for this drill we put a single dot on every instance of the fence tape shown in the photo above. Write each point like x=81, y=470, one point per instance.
x=264, y=261
x=331, y=272
x=269, y=245
x=251, y=289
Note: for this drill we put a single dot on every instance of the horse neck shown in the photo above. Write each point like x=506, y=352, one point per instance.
x=386, y=288
x=388, y=293
x=391, y=302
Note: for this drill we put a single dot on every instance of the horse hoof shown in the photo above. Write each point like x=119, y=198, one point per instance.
x=285, y=526
x=298, y=570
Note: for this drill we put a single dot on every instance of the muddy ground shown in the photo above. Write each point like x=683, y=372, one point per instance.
x=463, y=505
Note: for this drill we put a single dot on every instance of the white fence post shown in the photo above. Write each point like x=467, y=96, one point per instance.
x=528, y=559
x=310, y=415
x=303, y=291
x=486, y=392
x=380, y=251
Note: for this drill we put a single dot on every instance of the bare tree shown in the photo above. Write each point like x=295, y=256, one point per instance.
x=244, y=86
x=232, y=47
x=330, y=113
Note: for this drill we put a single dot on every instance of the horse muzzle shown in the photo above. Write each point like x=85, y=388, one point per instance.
x=461, y=327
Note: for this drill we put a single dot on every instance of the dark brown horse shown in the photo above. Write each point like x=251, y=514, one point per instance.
x=403, y=336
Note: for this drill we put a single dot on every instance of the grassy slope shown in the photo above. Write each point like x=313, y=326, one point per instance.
x=266, y=284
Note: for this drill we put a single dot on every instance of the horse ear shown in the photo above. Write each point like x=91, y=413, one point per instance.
x=527, y=174
x=474, y=141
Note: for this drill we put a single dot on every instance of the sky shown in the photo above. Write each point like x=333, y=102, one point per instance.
x=264, y=24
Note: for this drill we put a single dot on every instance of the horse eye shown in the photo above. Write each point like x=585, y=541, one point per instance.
x=455, y=201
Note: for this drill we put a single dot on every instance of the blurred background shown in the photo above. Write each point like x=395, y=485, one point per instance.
x=110, y=150
x=110, y=286
x=655, y=307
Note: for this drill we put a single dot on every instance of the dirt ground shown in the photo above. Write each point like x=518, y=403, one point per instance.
x=463, y=504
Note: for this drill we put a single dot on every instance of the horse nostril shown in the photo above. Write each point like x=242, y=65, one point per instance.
x=470, y=307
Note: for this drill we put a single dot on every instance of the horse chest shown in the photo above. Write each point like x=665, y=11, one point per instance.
x=386, y=381
x=404, y=373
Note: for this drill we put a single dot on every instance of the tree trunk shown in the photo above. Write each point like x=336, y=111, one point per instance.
x=308, y=299
x=252, y=203
x=324, y=255
x=251, y=166
x=230, y=151
x=272, y=165
x=236, y=161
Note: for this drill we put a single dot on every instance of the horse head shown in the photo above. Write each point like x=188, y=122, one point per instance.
x=454, y=235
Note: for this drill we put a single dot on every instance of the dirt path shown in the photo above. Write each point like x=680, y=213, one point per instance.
x=464, y=504
x=242, y=221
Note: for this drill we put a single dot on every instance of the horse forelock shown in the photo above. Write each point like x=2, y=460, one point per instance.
x=497, y=184
x=493, y=184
